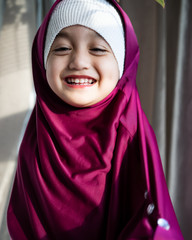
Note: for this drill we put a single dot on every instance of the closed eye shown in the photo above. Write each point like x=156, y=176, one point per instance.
x=98, y=51
x=62, y=49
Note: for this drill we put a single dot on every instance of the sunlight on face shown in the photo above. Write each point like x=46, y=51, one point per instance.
x=81, y=67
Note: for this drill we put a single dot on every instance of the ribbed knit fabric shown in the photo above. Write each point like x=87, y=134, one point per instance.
x=99, y=16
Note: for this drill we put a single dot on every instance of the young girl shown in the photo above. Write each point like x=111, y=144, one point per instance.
x=88, y=166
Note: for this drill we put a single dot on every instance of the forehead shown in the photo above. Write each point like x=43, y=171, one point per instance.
x=79, y=30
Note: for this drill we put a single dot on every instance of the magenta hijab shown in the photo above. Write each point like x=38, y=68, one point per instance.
x=91, y=173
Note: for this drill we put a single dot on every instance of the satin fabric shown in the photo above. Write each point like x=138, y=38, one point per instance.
x=91, y=173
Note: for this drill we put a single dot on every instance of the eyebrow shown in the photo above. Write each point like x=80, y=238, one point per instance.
x=62, y=35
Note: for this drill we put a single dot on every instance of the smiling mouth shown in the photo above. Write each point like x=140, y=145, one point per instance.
x=80, y=81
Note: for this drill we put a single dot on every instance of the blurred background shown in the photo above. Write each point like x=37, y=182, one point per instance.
x=164, y=81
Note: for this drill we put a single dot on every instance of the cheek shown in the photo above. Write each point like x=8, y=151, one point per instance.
x=52, y=72
x=112, y=64
x=50, y=78
x=49, y=70
x=110, y=71
x=115, y=70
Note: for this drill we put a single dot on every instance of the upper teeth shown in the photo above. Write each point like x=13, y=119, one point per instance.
x=81, y=80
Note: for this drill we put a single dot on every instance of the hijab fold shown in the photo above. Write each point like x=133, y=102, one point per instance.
x=90, y=173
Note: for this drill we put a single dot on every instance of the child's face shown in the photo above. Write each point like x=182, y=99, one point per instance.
x=81, y=68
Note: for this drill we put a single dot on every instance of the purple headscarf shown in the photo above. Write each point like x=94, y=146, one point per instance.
x=90, y=173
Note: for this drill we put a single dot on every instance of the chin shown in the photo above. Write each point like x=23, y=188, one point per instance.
x=78, y=104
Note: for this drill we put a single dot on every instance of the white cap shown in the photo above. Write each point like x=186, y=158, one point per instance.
x=98, y=15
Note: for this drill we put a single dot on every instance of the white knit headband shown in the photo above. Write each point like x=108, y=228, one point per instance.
x=98, y=15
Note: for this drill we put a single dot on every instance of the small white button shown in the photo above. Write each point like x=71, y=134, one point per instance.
x=163, y=223
x=150, y=208
x=146, y=194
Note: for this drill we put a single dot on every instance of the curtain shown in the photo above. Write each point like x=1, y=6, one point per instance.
x=42, y=7
x=2, y=8
x=180, y=156
x=165, y=84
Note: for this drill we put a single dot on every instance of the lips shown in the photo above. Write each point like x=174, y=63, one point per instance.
x=80, y=81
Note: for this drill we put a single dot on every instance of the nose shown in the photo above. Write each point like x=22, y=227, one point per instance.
x=79, y=60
